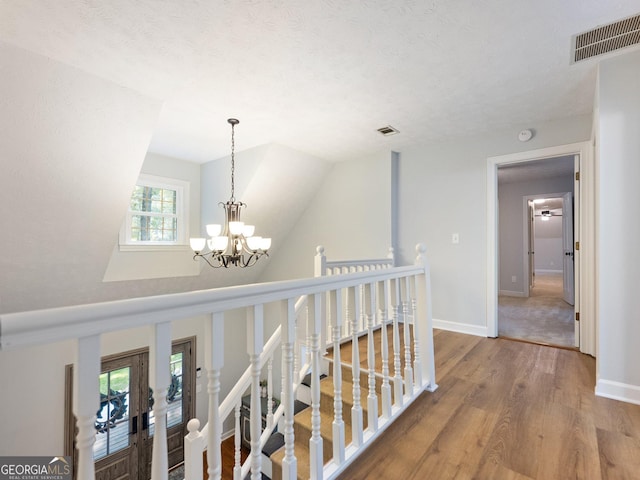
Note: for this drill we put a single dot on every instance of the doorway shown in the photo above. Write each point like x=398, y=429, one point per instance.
x=125, y=422
x=585, y=256
x=543, y=312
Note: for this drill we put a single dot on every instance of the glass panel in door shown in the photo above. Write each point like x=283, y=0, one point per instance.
x=112, y=422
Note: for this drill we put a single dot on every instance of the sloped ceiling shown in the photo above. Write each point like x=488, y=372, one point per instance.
x=322, y=76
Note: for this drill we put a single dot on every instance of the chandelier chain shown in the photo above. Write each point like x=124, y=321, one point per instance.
x=233, y=162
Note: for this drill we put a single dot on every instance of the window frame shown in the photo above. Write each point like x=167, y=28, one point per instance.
x=181, y=187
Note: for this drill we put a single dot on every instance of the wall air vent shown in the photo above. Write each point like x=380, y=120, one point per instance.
x=388, y=130
x=607, y=38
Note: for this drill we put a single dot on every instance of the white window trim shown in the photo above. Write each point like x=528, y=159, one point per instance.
x=182, y=214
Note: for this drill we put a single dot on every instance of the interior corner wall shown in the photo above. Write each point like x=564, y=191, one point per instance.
x=618, y=171
x=512, y=223
x=350, y=216
x=442, y=192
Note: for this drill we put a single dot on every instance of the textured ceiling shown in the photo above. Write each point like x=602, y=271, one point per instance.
x=322, y=76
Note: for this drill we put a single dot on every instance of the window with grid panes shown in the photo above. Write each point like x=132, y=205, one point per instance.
x=157, y=213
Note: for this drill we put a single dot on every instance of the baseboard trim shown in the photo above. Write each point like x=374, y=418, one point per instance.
x=477, y=330
x=543, y=271
x=511, y=293
x=618, y=391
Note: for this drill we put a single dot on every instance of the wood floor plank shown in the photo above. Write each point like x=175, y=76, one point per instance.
x=569, y=444
x=619, y=455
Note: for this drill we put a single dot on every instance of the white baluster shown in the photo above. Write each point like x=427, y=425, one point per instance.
x=86, y=401
x=423, y=316
x=308, y=333
x=255, y=344
x=160, y=379
x=397, y=365
x=354, y=303
x=385, y=390
x=193, y=446
x=372, y=398
x=338, y=423
x=237, y=464
x=270, y=393
x=408, y=371
x=417, y=364
x=315, y=442
x=213, y=362
x=289, y=463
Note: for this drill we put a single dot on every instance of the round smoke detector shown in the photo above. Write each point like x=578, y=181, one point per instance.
x=525, y=135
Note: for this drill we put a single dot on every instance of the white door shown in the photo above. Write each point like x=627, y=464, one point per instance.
x=567, y=246
x=531, y=247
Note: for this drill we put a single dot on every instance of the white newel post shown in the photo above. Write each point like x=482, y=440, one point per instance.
x=315, y=442
x=289, y=463
x=213, y=362
x=354, y=307
x=86, y=401
x=406, y=326
x=338, y=423
x=160, y=379
x=372, y=398
x=397, y=365
x=193, y=445
x=385, y=390
x=423, y=316
x=320, y=269
x=255, y=344
x=319, y=262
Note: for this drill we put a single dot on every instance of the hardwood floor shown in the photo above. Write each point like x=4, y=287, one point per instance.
x=507, y=410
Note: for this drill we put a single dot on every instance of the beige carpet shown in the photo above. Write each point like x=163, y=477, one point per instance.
x=544, y=317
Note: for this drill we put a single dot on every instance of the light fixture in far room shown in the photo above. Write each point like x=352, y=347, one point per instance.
x=233, y=244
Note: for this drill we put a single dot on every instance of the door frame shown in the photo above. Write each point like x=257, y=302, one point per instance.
x=585, y=234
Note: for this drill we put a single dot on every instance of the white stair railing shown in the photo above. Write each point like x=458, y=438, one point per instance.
x=370, y=293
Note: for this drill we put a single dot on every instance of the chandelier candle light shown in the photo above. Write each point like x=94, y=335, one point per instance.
x=235, y=244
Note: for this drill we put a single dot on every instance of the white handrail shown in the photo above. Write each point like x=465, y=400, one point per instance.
x=40, y=327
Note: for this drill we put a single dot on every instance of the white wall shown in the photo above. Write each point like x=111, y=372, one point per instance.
x=350, y=216
x=548, y=244
x=618, y=171
x=443, y=191
x=512, y=223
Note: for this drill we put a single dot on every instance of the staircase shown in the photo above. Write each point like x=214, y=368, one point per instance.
x=303, y=420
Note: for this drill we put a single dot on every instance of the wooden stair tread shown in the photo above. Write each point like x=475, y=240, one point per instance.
x=326, y=388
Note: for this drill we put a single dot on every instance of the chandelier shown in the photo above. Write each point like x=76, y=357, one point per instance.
x=234, y=243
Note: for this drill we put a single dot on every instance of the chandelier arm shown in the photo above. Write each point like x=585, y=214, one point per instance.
x=204, y=257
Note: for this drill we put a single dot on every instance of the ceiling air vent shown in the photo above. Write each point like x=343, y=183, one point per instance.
x=605, y=39
x=388, y=130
